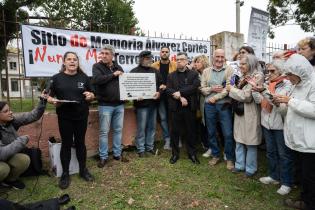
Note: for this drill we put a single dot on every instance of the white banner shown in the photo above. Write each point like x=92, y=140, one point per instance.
x=257, y=32
x=44, y=47
x=137, y=85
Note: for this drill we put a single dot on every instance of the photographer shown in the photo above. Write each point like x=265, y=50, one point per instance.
x=12, y=162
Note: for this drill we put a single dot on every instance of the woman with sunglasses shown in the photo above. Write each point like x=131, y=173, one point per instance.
x=280, y=157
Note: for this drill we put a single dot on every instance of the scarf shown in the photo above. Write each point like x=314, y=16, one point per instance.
x=272, y=88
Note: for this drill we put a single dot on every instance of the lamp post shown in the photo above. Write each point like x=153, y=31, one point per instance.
x=238, y=14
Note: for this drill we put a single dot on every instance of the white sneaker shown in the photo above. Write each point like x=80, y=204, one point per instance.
x=207, y=153
x=167, y=146
x=284, y=190
x=268, y=180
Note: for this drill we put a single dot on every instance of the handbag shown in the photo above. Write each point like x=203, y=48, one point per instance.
x=238, y=107
x=36, y=166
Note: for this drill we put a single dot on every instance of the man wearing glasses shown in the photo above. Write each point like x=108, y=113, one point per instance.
x=182, y=89
x=165, y=66
x=111, y=108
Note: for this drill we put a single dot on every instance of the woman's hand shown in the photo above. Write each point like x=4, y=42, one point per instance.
x=228, y=87
x=89, y=96
x=53, y=101
x=44, y=95
x=277, y=99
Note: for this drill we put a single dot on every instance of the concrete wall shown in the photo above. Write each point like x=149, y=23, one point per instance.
x=229, y=41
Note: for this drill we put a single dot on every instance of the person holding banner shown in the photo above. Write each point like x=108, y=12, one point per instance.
x=165, y=66
x=73, y=90
x=182, y=91
x=146, y=109
x=111, y=108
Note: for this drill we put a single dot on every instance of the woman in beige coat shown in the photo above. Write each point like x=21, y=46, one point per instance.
x=247, y=130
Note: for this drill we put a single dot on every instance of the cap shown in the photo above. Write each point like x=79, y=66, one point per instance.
x=145, y=54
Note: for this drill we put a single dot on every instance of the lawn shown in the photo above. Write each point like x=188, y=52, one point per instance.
x=153, y=183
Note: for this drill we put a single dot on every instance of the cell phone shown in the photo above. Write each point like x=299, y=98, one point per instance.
x=270, y=96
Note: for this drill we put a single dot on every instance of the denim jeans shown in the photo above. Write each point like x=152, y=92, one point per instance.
x=164, y=119
x=246, y=157
x=146, y=124
x=110, y=116
x=280, y=157
x=215, y=113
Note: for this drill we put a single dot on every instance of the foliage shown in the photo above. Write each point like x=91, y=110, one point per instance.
x=113, y=16
x=292, y=12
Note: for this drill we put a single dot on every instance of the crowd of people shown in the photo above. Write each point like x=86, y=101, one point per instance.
x=233, y=109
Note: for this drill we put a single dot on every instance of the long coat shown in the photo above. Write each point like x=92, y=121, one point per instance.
x=247, y=129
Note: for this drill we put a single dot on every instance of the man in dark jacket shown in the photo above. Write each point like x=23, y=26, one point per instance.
x=146, y=109
x=111, y=108
x=12, y=162
x=182, y=89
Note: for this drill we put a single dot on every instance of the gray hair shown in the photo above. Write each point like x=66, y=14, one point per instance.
x=279, y=65
x=253, y=64
x=109, y=48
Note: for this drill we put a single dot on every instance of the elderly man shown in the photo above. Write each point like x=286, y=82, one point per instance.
x=146, y=109
x=165, y=66
x=111, y=108
x=182, y=89
x=212, y=87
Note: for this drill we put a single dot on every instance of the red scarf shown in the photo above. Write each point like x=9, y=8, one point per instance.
x=272, y=88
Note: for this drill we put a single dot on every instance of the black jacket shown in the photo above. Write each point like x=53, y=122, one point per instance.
x=158, y=78
x=106, y=84
x=190, y=91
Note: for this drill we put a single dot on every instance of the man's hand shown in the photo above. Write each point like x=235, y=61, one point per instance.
x=117, y=73
x=217, y=88
x=162, y=87
x=156, y=95
x=183, y=101
x=211, y=100
x=176, y=95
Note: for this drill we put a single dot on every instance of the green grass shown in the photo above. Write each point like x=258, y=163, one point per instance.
x=153, y=183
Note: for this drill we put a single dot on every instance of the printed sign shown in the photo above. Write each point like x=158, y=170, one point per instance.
x=137, y=85
x=43, y=48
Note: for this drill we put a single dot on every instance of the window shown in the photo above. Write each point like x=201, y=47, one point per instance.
x=14, y=85
x=12, y=65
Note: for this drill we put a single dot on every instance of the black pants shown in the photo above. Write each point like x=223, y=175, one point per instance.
x=72, y=132
x=183, y=124
x=308, y=179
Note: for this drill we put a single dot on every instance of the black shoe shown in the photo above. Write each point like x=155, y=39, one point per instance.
x=64, y=199
x=141, y=154
x=174, y=159
x=102, y=163
x=86, y=175
x=64, y=181
x=194, y=159
x=152, y=152
x=18, y=185
x=116, y=157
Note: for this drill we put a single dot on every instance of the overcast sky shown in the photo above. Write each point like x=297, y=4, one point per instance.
x=203, y=18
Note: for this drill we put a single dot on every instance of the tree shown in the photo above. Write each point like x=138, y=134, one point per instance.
x=300, y=12
x=113, y=16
